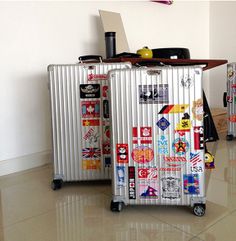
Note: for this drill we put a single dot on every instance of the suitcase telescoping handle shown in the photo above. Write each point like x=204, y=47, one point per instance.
x=225, y=99
x=90, y=58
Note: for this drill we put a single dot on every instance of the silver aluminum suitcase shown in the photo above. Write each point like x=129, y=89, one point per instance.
x=157, y=137
x=80, y=121
x=230, y=101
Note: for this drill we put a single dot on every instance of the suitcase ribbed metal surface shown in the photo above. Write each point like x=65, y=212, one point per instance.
x=80, y=121
x=157, y=137
x=231, y=100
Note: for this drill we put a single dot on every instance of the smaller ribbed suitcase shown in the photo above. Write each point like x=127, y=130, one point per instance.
x=157, y=137
x=80, y=121
x=230, y=101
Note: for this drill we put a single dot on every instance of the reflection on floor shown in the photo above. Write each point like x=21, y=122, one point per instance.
x=31, y=211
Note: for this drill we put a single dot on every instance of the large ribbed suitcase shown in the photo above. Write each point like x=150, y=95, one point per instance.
x=157, y=139
x=80, y=121
x=230, y=101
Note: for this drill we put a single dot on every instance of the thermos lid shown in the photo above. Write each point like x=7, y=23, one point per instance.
x=110, y=34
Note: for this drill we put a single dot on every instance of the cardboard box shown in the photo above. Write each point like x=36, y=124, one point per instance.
x=219, y=116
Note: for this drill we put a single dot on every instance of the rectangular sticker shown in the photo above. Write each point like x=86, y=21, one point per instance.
x=191, y=184
x=120, y=173
x=92, y=137
x=122, y=152
x=107, y=161
x=88, y=153
x=173, y=109
x=153, y=94
x=147, y=173
x=96, y=77
x=132, y=188
x=91, y=164
x=89, y=91
x=170, y=187
x=90, y=109
x=105, y=109
x=106, y=148
x=105, y=91
x=91, y=122
x=142, y=135
x=196, y=162
x=148, y=190
x=198, y=137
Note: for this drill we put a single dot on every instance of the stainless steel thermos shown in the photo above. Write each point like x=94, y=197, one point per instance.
x=110, y=40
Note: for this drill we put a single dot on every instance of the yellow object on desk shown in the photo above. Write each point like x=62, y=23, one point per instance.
x=145, y=52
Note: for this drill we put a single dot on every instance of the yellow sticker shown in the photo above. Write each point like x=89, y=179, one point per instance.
x=183, y=125
x=91, y=164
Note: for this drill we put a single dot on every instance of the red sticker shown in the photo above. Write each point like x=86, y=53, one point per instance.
x=142, y=154
x=122, y=153
x=105, y=91
x=232, y=118
x=147, y=173
x=91, y=122
x=106, y=148
x=94, y=77
x=198, y=138
x=144, y=136
x=90, y=109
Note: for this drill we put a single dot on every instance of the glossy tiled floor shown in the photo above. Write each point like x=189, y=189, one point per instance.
x=31, y=211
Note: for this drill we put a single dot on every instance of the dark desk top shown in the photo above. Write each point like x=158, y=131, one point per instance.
x=205, y=63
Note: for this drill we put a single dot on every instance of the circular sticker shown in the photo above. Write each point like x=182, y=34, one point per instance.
x=142, y=154
x=180, y=146
x=230, y=73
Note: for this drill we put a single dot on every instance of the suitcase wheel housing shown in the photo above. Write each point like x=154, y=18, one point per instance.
x=199, y=209
x=56, y=184
x=229, y=137
x=116, y=206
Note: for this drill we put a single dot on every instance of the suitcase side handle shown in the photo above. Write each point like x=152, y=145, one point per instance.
x=90, y=57
x=225, y=99
x=149, y=63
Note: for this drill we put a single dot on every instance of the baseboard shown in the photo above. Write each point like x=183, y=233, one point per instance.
x=25, y=162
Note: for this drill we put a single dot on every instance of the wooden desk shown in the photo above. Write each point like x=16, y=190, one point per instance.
x=206, y=63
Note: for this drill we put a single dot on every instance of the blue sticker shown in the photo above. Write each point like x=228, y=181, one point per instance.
x=163, y=145
x=148, y=190
x=191, y=184
x=163, y=123
x=120, y=170
x=107, y=161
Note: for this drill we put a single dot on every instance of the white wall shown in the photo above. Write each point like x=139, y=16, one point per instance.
x=222, y=46
x=35, y=34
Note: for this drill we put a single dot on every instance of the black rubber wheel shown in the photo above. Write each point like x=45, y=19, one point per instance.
x=116, y=206
x=199, y=209
x=56, y=184
x=229, y=137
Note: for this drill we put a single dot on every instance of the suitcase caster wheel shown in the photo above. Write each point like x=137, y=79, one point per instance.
x=56, y=184
x=229, y=137
x=199, y=209
x=116, y=206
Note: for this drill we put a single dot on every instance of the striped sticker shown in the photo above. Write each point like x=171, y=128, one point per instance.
x=91, y=122
x=195, y=158
x=171, y=109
